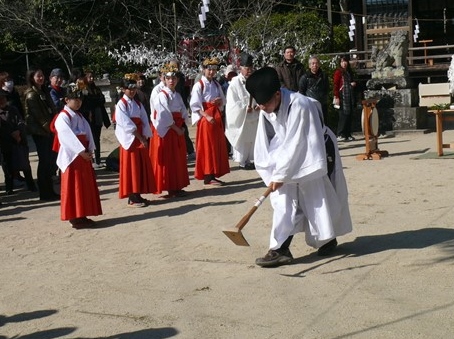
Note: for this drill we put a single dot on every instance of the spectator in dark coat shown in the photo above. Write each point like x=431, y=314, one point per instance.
x=7, y=84
x=39, y=111
x=56, y=91
x=344, y=97
x=290, y=69
x=13, y=145
x=314, y=83
x=95, y=112
x=143, y=93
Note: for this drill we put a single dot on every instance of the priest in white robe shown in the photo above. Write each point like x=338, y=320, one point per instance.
x=242, y=115
x=290, y=156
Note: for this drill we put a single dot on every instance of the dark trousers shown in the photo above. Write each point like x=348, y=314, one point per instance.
x=344, y=125
x=189, y=144
x=325, y=114
x=229, y=146
x=286, y=243
x=47, y=166
x=8, y=170
x=96, y=132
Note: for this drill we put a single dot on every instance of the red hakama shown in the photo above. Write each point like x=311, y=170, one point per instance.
x=168, y=158
x=136, y=174
x=211, y=147
x=79, y=191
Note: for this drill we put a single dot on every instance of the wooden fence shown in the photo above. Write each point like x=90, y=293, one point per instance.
x=425, y=58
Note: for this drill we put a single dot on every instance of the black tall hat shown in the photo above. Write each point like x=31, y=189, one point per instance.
x=245, y=59
x=262, y=84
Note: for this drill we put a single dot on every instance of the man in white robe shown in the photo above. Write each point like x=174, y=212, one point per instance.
x=242, y=116
x=290, y=157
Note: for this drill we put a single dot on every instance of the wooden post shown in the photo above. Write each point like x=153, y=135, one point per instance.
x=370, y=135
x=425, y=42
x=439, y=128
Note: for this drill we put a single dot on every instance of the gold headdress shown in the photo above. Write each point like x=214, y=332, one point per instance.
x=130, y=80
x=77, y=89
x=169, y=69
x=211, y=62
x=131, y=76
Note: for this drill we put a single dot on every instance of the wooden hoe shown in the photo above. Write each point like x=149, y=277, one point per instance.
x=235, y=234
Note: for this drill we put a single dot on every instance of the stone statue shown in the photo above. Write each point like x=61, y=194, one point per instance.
x=391, y=63
x=395, y=53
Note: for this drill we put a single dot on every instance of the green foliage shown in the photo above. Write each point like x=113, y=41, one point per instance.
x=439, y=107
x=68, y=33
x=9, y=42
x=340, y=38
x=268, y=35
x=78, y=33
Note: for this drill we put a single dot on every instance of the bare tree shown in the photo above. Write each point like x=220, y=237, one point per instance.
x=77, y=31
x=71, y=29
x=180, y=20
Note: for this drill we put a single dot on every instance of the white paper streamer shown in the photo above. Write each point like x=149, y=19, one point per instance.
x=202, y=22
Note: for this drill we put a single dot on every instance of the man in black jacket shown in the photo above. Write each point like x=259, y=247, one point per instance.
x=314, y=83
x=290, y=69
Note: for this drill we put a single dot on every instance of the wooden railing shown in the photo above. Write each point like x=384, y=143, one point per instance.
x=429, y=59
x=363, y=58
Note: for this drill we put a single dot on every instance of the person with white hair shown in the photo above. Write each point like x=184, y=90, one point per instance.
x=314, y=83
x=242, y=116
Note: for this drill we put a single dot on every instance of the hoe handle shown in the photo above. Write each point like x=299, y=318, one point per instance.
x=244, y=220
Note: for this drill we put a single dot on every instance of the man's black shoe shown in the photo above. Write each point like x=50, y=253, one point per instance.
x=328, y=248
x=275, y=258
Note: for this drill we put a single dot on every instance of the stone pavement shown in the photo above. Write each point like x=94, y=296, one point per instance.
x=168, y=271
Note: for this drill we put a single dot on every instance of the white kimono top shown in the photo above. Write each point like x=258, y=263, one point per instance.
x=125, y=128
x=240, y=126
x=165, y=104
x=153, y=95
x=297, y=149
x=211, y=90
x=67, y=129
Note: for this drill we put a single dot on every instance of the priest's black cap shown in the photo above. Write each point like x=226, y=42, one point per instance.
x=262, y=84
x=245, y=59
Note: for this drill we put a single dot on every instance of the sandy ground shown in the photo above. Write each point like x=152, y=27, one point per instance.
x=168, y=271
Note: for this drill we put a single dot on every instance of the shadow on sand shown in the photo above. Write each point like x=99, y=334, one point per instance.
x=155, y=333
x=366, y=245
